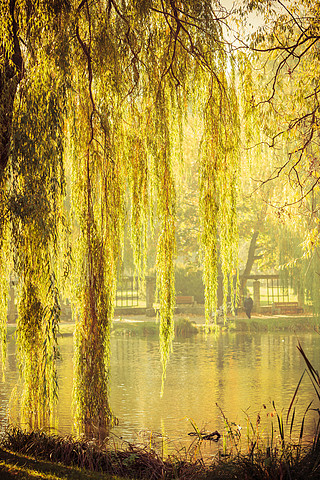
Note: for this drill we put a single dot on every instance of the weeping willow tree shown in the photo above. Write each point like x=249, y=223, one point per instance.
x=283, y=101
x=101, y=92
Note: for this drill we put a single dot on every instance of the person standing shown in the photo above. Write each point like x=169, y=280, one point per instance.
x=248, y=304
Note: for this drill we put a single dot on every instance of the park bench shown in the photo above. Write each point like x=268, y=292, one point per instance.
x=184, y=300
x=287, y=307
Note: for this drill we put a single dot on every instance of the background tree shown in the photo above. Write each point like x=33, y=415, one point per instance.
x=287, y=72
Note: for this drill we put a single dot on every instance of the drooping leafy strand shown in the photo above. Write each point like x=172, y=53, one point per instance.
x=166, y=242
x=209, y=208
x=138, y=170
x=5, y=274
x=97, y=200
x=228, y=231
x=219, y=158
x=35, y=207
x=93, y=308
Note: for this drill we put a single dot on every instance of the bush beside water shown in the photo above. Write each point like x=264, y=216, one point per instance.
x=273, y=324
x=188, y=281
x=183, y=327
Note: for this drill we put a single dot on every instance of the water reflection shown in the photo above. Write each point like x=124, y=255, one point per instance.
x=237, y=371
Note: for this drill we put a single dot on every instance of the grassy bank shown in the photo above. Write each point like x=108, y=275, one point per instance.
x=275, y=324
x=16, y=466
x=36, y=455
x=186, y=326
x=183, y=328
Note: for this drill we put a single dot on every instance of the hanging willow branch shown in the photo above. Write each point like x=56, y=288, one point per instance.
x=35, y=207
x=219, y=160
x=166, y=243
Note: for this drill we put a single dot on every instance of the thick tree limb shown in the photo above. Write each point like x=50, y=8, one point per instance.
x=10, y=77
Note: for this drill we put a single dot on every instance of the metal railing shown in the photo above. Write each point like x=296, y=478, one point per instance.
x=127, y=292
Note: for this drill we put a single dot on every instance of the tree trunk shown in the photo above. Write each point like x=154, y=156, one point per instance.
x=250, y=261
x=10, y=76
x=252, y=249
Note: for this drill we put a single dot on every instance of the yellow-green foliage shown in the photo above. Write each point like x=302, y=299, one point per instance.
x=36, y=189
x=106, y=93
x=218, y=173
x=5, y=271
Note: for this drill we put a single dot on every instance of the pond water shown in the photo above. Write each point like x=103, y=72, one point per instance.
x=241, y=373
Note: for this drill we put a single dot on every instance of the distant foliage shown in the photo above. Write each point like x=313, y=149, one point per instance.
x=189, y=281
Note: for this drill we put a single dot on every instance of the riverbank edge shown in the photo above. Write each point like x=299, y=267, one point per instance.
x=188, y=325
x=15, y=466
x=276, y=323
x=32, y=455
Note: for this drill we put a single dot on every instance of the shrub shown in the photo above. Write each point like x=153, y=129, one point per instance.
x=183, y=327
x=189, y=282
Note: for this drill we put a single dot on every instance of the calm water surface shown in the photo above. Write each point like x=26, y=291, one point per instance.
x=242, y=373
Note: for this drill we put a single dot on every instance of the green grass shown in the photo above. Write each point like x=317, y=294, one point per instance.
x=275, y=324
x=183, y=328
x=66, y=329
x=14, y=465
x=135, y=328
x=38, y=455
x=11, y=329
